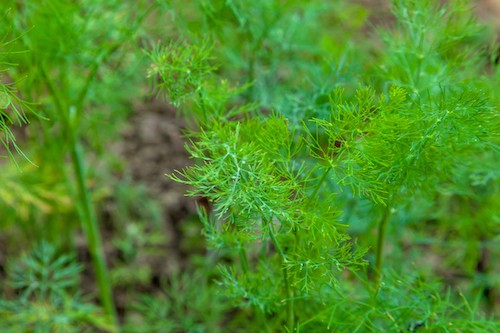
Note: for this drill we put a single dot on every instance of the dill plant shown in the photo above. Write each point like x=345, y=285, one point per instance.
x=268, y=45
x=48, y=301
x=12, y=107
x=71, y=55
x=436, y=54
x=188, y=303
x=288, y=159
x=408, y=148
x=261, y=209
x=410, y=130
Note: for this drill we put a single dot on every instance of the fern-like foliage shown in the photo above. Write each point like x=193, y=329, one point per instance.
x=13, y=109
x=422, y=307
x=260, y=198
x=274, y=211
x=382, y=147
x=189, y=302
x=48, y=298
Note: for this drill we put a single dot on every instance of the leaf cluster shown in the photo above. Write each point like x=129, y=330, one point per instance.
x=182, y=68
x=413, y=135
x=187, y=303
x=13, y=109
x=422, y=307
x=381, y=147
x=48, y=301
x=260, y=198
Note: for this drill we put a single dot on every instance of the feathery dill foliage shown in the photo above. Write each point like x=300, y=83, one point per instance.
x=435, y=53
x=48, y=300
x=383, y=147
x=432, y=46
x=186, y=68
x=274, y=211
x=185, y=75
x=403, y=304
x=259, y=196
x=182, y=307
x=12, y=107
x=262, y=211
x=268, y=44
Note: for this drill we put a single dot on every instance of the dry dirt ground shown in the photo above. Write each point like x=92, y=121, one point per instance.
x=153, y=145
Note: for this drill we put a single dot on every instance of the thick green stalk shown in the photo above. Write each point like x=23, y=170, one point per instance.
x=92, y=233
x=382, y=229
x=85, y=205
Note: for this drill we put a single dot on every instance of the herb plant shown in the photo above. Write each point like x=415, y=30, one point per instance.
x=273, y=187
x=48, y=302
x=65, y=57
x=12, y=107
x=344, y=163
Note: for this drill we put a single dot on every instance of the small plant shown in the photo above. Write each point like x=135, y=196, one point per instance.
x=66, y=59
x=187, y=303
x=48, y=300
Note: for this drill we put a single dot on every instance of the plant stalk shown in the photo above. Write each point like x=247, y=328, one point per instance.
x=290, y=312
x=243, y=259
x=85, y=206
x=92, y=233
x=382, y=229
x=288, y=290
x=318, y=185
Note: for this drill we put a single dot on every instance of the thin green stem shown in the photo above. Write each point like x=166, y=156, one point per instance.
x=92, y=233
x=288, y=290
x=85, y=205
x=382, y=229
x=274, y=240
x=54, y=94
x=243, y=259
x=318, y=185
x=89, y=221
x=203, y=105
x=260, y=315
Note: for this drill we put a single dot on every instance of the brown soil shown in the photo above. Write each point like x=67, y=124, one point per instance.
x=153, y=146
